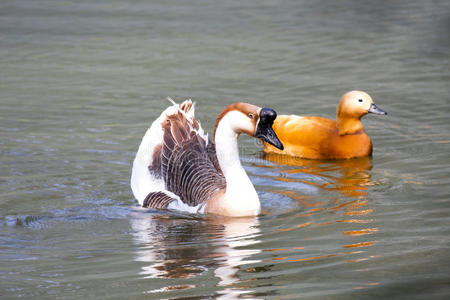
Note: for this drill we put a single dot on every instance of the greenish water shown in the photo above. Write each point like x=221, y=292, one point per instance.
x=80, y=82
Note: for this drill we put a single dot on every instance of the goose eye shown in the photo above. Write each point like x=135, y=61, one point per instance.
x=360, y=100
x=250, y=115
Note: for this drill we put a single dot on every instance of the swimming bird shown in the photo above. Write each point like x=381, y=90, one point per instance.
x=323, y=138
x=178, y=167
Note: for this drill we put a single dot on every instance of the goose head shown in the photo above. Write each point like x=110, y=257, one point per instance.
x=250, y=119
x=356, y=104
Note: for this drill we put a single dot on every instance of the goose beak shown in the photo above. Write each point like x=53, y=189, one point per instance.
x=264, y=130
x=375, y=110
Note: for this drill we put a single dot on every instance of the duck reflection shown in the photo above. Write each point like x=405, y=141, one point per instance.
x=186, y=247
x=348, y=177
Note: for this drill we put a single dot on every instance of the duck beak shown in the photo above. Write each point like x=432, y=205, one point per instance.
x=375, y=110
x=264, y=131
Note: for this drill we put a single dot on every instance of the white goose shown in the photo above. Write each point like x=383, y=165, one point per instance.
x=177, y=167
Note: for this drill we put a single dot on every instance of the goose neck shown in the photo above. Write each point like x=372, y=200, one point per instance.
x=239, y=186
x=226, y=140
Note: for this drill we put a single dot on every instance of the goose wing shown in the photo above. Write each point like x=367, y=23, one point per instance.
x=189, y=167
x=159, y=200
x=176, y=162
x=211, y=150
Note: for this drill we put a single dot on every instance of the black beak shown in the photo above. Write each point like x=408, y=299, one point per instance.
x=375, y=110
x=264, y=130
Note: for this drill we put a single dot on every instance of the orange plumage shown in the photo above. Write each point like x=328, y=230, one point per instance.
x=322, y=138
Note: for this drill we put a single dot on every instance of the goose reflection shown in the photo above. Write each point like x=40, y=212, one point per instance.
x=186, y=247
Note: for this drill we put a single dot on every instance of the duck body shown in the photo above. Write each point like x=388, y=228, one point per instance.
x=318, y=138
x=323, y=138
x=178, y=167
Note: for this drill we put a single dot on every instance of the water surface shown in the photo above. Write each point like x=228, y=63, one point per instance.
x=80, y=82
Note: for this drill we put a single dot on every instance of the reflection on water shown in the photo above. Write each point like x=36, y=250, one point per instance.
x=180, y=247
x=174, y=247
x=350, y=178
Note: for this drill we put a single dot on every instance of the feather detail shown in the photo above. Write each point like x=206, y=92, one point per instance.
x=211, y=150
x=185, y=160
x=158, y=200
x=186, y=165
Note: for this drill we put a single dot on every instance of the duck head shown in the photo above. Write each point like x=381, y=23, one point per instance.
x=252, y=120
x=356, y=104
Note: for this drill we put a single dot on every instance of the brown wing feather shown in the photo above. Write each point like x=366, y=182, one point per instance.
x=192, y=175
x=186, y=106
x=158, y=200
x=186, y=163
x=211, y=150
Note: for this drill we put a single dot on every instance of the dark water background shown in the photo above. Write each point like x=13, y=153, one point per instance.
x=80, y=81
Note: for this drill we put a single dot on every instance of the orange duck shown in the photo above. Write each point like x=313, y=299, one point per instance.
x=323, y=138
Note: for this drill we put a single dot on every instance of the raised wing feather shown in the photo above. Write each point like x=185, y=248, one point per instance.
x=185, y=161
x=186, y=165
x=191, y=174
x=211, y=150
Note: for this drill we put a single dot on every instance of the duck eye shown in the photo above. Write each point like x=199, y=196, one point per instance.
x=360, y=100
x=250, y=115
